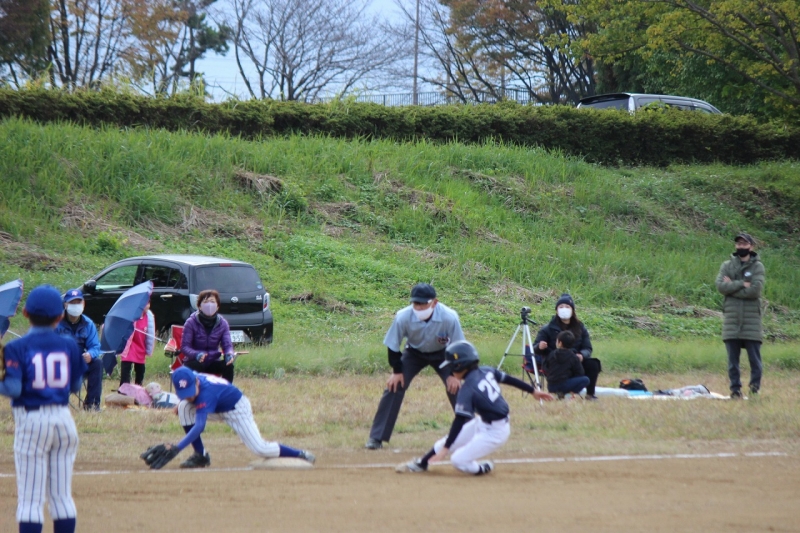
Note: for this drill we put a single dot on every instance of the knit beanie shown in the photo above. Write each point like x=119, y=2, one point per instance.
x=566, y=299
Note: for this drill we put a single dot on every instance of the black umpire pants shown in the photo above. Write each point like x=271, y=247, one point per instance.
x=414, y=362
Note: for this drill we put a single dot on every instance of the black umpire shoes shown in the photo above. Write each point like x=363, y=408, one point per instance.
x=373, y=444
x=197, y=461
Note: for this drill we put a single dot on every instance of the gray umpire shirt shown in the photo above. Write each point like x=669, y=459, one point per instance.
x=431, y=336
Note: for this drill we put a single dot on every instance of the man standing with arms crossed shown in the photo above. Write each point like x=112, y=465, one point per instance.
x=83, y=331
x=741, y=280
x=428, y=327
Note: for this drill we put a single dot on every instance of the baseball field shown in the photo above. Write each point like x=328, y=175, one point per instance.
x=613, y=465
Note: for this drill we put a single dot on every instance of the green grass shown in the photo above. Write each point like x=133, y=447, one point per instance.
x=356, y=223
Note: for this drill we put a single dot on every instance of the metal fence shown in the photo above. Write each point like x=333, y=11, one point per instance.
x=434, y=98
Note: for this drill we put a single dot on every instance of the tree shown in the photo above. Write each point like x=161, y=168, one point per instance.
x=24, y=37
x=89, y=38
x=749, y=47
x=171, y=36
x=300, y=49
x=531, y=40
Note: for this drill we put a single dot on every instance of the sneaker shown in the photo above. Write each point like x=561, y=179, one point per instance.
x=753, y=391
x=308, y=456
x=590, y=397
x=197, y=461
x=736, y=395
x=561, y=395
x=414, y=466
x=484, y=468
x=373, y=444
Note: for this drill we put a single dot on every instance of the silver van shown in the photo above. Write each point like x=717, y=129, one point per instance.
x=633, y=101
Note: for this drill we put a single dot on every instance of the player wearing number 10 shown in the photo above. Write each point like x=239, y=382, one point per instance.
x=42, y=368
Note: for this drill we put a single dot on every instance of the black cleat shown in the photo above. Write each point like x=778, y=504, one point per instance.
x=308, y=456
x=197, y=461
x=484, y=468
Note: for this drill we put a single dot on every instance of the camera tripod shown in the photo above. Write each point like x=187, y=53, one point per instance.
x=527, y=346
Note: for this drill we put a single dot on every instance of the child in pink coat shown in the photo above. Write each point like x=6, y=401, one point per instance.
x=139, y=346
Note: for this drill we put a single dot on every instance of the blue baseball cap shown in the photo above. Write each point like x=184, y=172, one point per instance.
x=45, y=301
x=73, y=294
x=185, y=382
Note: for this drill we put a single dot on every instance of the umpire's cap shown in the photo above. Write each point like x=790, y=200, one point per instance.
x=459, y=355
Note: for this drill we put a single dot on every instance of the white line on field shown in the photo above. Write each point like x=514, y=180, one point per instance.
x=523, y=460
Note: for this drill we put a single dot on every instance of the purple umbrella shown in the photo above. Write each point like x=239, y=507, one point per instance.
x=10, y=295
x=118, y=325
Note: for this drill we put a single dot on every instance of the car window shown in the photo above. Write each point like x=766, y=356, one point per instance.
x=646, y=100
x=119, y=278
x=235, y=278
x=702, y=109
x=162, y=276
x=679, y=104
x=619, y=103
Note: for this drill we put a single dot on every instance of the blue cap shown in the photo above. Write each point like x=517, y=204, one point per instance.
x=185, y=382
x=73, y=294
x=44, y=301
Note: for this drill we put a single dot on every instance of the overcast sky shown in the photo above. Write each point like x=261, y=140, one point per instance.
x=222, y=70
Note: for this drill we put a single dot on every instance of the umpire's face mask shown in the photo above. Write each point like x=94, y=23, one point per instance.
x=424, y=314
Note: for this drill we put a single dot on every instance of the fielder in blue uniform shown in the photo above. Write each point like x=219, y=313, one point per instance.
x=42, y=369
x=205, y=397
x=481, y=424
x=81, y=328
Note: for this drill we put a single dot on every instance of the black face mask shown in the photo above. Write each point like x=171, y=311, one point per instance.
x=742, y=252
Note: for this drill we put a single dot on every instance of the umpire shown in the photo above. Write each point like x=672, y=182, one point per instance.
x=428, y=327
x=741, y=280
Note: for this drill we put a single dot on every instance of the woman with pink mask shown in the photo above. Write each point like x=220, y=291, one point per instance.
x=206, y=341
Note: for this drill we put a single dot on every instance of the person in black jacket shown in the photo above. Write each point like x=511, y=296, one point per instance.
x=567, y=320
x=563, y=368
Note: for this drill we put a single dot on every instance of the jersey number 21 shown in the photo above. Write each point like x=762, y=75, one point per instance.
x=490, y=387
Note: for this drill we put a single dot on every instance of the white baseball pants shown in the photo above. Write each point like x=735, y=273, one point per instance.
x=477, y=439
x=240, y=419
x=45, y=446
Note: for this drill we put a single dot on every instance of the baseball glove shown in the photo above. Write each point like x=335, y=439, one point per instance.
x=159, y=455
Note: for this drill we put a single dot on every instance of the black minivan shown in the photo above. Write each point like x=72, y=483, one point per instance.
x=177, y=280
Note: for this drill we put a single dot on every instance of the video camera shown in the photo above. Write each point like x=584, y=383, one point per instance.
x=525, y=315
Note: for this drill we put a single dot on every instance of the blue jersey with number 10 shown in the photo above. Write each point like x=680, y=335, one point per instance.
x=46, y=363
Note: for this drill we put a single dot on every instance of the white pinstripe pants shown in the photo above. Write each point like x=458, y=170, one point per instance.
x=240, y=419
x=45, y=446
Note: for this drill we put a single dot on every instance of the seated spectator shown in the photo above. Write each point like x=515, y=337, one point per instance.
x=140, y=346
x=78, y=326
x=566, y=319
x=206, y=341
x=563, y=368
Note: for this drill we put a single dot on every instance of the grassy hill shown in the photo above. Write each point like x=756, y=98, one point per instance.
x=340, y=229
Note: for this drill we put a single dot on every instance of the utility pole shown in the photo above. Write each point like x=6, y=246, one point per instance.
x=415, y=97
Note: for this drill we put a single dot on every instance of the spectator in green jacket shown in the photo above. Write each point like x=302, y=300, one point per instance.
x=741, y=280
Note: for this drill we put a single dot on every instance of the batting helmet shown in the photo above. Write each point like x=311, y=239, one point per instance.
x=460, y=355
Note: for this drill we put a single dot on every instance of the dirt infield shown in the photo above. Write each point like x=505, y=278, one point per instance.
x=612, y=465
x=728, y=494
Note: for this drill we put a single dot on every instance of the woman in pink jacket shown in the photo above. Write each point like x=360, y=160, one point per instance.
x=139, y=346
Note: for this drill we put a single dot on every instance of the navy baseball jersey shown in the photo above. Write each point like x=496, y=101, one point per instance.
x=46, y=363
x=480, y=395
x=216, y=395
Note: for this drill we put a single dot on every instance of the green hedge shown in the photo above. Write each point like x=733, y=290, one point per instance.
x=652, y=138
